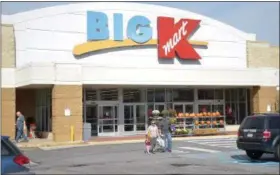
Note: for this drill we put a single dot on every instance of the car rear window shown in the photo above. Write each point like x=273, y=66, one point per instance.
x=274, y=122
x=5, y=151
x=253, y=123
x=13, y=149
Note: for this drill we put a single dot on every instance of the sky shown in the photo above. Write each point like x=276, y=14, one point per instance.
x=260, y=18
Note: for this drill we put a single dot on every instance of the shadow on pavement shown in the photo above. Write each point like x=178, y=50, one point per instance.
x=245, y=159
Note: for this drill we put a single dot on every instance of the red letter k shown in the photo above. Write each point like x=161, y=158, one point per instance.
x=172, y=38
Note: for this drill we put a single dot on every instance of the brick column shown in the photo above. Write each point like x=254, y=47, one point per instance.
x=67, y=96
x=8, y=112
x=261, y=97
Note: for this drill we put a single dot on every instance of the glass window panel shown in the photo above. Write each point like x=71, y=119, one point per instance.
x=169, y=106
x=183, y=95
x=227, y=95
x=179, y=108
x=204, y=108
x=109, y=94
x=218, y=108
x=133, y=95
x=128, y=115
x=242, y=95
x=91, y=95
x=141, y=127
x=108, y=128
x=205, y=94
x=159, y=95
x=140, y=114
x=160, y=107
x=150, y=95
x=234, y=95
x=189, y=108
x=168, y=95
x=150, y=110
x=219, y=95
x=242, y=112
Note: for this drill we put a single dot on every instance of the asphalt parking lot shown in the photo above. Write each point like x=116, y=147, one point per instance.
x=214, y=156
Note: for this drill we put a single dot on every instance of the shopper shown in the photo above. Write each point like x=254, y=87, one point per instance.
x=152, y=135
x=166, y=131
x=20, y=126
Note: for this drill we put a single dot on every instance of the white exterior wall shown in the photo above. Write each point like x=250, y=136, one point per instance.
x=46, y=37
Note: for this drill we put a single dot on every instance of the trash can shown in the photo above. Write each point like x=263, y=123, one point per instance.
x=86, y=131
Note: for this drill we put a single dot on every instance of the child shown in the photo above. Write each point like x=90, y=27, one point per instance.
x=148, y=145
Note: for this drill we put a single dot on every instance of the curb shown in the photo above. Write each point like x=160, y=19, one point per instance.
x=92, y=143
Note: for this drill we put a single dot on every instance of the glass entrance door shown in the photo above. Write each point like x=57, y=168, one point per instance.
x=91, y=117
x=135, y=119
x=108, y=119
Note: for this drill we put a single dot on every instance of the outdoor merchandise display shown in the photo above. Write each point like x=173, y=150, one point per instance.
x=187, y=124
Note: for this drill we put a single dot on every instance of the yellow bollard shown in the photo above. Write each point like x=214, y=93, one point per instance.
x=72, y=133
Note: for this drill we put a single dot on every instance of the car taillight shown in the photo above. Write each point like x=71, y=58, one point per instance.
x=21, y=160
x=266, y=135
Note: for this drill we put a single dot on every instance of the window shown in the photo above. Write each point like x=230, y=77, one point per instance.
x=133, y=95
x=150, y=95
x=183, y=95
x=4, y=150
x=206, y=94
x=274, y=122
x=91, y=95
x=109, y=94
x=159, y=95
x=254, y=123
x=218, y=94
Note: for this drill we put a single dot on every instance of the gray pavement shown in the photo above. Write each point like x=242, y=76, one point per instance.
x=206, y=156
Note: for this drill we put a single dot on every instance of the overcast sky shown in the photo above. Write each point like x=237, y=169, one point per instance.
x=261, y=18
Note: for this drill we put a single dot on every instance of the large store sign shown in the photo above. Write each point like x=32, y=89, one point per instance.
x=171, y=40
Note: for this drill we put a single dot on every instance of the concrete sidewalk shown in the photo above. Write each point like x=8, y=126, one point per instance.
x=49, y=143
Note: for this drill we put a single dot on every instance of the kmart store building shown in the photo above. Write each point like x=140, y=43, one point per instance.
x=111, y=64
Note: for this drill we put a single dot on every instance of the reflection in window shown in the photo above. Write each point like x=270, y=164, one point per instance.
x=189, y=109
x=183, y=95
x=242, y=112
x=159, y=95
x=218, y=108
x=205, y=94
x=218, y=94
x=133, y=95
x=109, y=94
x=150, y=95
x=204, y=108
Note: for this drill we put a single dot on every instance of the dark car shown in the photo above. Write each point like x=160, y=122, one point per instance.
x=13, y=160
x=259, y=134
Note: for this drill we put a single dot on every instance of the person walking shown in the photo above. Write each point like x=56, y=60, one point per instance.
x=20, y=127
x=152, y=135
x=166, y=131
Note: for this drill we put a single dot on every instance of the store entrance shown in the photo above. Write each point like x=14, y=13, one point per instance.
x=108, y=119
x=135, y=118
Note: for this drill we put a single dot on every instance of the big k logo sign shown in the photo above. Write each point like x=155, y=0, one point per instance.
x=172, y=39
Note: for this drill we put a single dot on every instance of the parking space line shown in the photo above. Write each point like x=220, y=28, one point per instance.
x=200, y=149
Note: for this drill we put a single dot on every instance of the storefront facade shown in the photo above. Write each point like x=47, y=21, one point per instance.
x=111, y=67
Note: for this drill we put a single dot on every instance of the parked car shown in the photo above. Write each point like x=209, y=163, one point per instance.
x=13, y=160
x=259, y=134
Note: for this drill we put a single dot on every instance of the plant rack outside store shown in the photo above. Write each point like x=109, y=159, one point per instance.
x=188, y=124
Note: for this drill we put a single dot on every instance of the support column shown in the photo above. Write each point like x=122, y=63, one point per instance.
x=121, y=111
x=263, y=96
x=67, y=96
x=8, y=112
